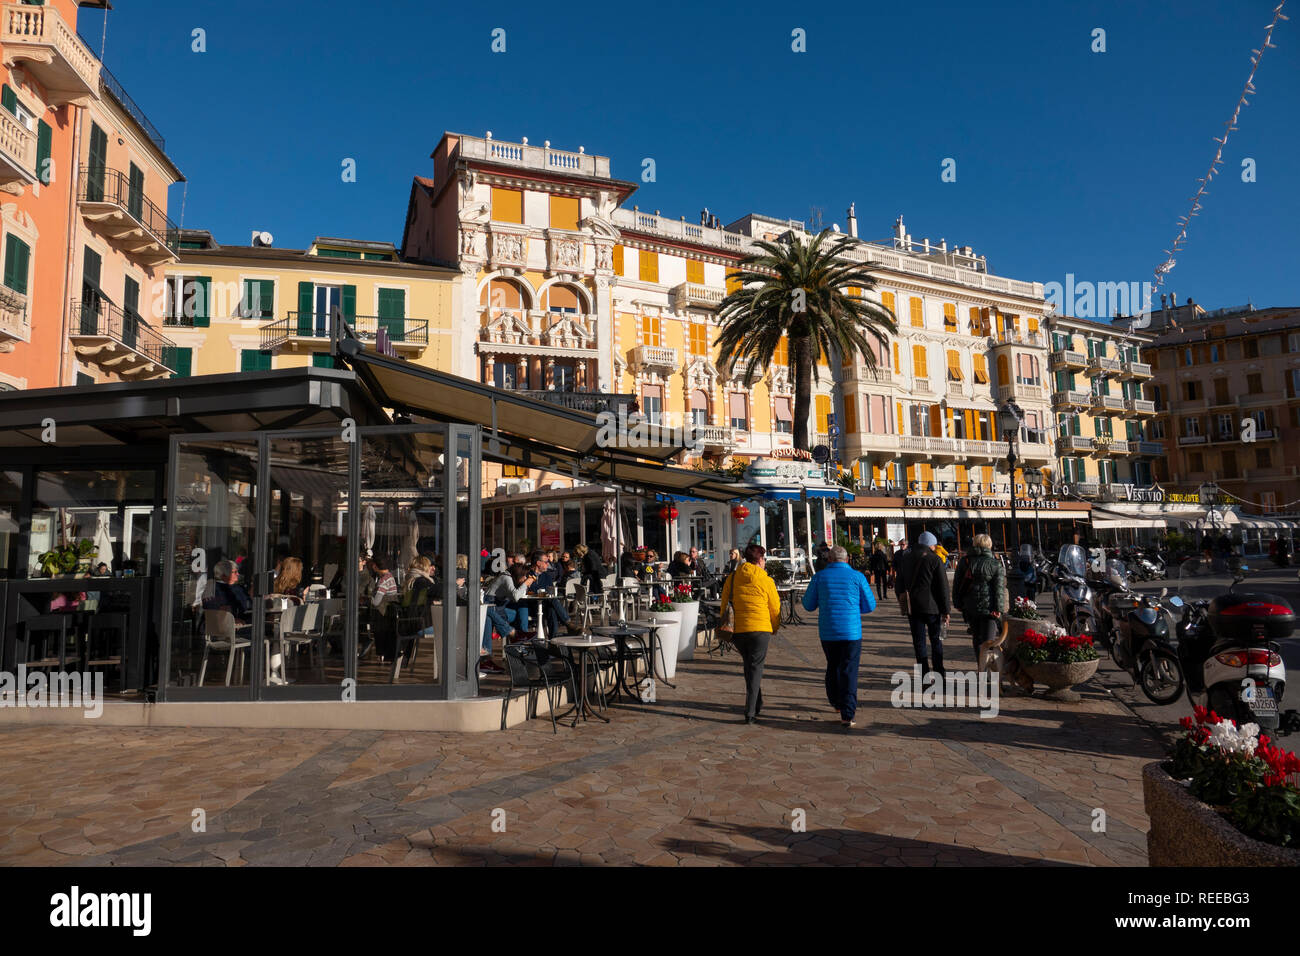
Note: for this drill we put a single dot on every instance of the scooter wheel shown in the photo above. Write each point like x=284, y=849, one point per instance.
x=1160, y=675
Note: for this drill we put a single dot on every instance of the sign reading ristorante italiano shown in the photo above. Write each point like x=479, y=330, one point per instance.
x=979, y=501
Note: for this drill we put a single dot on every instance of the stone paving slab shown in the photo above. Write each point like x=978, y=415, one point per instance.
x=683, y=782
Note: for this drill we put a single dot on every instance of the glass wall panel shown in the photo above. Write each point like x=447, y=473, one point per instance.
x=656, y=529
x=215, y=534
x=109, y=510
x=572, y=525
x=11, y=493
x=549, y=529
x=592, y=510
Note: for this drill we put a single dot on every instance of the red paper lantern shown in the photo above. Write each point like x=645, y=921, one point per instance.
x=740, y=512
x=668, y=513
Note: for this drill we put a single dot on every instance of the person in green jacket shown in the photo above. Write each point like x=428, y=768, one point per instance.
x=980, y=590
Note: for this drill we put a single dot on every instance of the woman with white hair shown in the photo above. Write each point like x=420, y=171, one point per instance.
x=980, y=590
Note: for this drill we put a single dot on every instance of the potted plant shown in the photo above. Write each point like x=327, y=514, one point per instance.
x=1226, y=797
x=668, y=638
x=1058, y=660
x=69, y=559
x=683, y=600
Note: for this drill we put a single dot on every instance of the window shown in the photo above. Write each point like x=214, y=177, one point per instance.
x=954, y=366
x=1187, y=357
x=887, y=299
x=514, y=471
x=1158, y=429
x=699, y=338
x=898, y=362
x=1191, y=426
x=179, y=360
x=510, y=375
x=1196, y=461
x=1270, y=345
x=981, y=371
x=1293, y=383
x=1263, y=458
x=187, y=301
x=699, y=407
x=648, y=266
x=781, y=354
x=652, y=330
x=1254, y=384
x=1224, y=423
x=1229, y=464
x=695, y=271
x=1194, y=391
x=259, y=299
x=1252, y=348
x=564, y=212
x=974, y=315
x=949, y=317
x=652, y=403
x=916, y=312
x=784, y=416
x=1293, y=342
x=1221, y=391
x=253, y=360
x=822, y=405
x=507, y=205
x=738, y=405
x=1268, y=500
x=18, y=257
x=920, y=369
x=618, y=261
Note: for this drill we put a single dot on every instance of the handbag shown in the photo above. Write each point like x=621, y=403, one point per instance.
x=904, y=602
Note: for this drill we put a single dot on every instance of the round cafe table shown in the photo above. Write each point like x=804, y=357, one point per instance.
x=620, y=636
x=788, y=591
x=583, y=646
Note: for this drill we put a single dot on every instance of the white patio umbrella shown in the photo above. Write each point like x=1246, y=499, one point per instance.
x=368, y=529
x=607, y=527
x=410, y=541
x=103, y=541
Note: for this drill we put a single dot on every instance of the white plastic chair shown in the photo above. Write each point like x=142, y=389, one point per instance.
x=220, y=633
x=305, y=626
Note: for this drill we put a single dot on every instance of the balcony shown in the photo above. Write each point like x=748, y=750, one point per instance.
x=1034, y=451
x=17, y=154
x=869, y=442
x=1106, y=367
x=1192, y=440
x=878, y=376
x=921, y=386
x=656, y=357
x=956, y=390
x=977, y=448
x=1149, y=448
x=1106, y=403
x=1224, y=438
x=1139, y=407
x=541, y=158
x=1021, y=392
x=1103, y=446
x=1138, y=370
x=1267, y=434
x=1073, y=398
x=694, y=295
x=15, y=323
x=536, y=332
x=1067, y=358
x=1016, y=337
x=595, y=402
x=1087, y=489
x=122, y=214
x=118, y=342
x=309, y=331
x=715, y=438
x=37, y=39
x=1073, y=444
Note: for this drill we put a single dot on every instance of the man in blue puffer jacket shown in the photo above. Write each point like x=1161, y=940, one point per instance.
x=842, y=595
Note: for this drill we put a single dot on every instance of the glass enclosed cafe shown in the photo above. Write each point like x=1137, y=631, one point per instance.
x=166, y=479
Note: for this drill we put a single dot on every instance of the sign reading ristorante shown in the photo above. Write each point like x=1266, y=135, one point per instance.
x=979, y=501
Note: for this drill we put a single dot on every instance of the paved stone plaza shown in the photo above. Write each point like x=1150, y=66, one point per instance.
x=680, y=782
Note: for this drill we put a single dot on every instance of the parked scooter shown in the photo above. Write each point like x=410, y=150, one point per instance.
x=1071, y=596
x=1144, y=642
x=1229, y=652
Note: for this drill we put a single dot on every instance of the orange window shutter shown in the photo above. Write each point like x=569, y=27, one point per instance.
x=919, y=366
x=733, y=283
x=876, y=475
x=961, y=475
x=974, y=320
x=898, y=422
x=850, y=414
x=1033, y=324
x=507, y=205
x=649, y=266
x=887, y=299
x=695, y=271
x=1003, y=371
x=618, y=260
x=916, y=311
x=564, y=212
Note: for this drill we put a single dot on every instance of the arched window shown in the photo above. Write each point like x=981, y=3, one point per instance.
x=699, y=407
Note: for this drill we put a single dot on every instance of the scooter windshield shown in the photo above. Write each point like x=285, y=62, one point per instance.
x=1073, y=558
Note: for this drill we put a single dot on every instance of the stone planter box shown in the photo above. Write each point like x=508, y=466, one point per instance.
x=1186, y=832
x=1059, y=678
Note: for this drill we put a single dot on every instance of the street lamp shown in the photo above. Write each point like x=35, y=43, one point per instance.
x=1010, y=418
x=1034, y=485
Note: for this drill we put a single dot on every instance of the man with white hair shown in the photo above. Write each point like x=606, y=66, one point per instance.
x=924, y=581
x=841, y=596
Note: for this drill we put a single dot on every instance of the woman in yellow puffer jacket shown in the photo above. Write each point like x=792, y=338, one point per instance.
x=752, y=595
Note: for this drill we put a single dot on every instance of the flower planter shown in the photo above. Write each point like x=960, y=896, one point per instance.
x=667, y=643
x=690, y=611
x=1059, y=678
x=1186, y=832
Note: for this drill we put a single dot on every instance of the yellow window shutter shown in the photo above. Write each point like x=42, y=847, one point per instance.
x=981, y=370
x=919, y=368
x=618, y=259
x=1033, y=324
x=695, y=271
x=732, y=282
x=507, y=205
x=898, y=365
x=876, y=475
x=823, y=411
x=916, y=312
x=1004, y=370
x=850, y=414
x=954, y=365
x=855, y=292
x=564, y=212
x=898, y=422
x=887, y=299
x=950, y=317
x=974, y=320
x=961, y=476
x=649, y=271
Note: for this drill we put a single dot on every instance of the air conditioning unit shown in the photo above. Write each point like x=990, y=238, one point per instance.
x=514, y=486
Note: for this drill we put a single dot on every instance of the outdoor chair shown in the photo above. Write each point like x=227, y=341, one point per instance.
x=45, y=625
x=408, y=627
x=584, y=603
x=316, y=592
x=304, y=626
x=106, y=642
x=220, y=633
x=529, y=673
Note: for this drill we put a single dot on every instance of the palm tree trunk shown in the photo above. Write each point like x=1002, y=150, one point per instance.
x=802, y=347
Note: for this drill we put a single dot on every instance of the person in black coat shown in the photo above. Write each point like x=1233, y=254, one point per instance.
x=925, y=581
x=591, y=568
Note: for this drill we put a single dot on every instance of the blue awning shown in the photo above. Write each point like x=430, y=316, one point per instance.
x=783, y=494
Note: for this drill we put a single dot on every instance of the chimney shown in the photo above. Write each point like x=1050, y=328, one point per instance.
x=853, y=221
x=943, y=245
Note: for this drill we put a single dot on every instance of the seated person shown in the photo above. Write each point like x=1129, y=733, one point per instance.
x=553, y=612
x=385, y=585
x=288, y=580
x=681, y=565
x=229, y=594
x=505, y=598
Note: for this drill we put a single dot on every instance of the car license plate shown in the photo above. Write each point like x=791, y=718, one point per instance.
x=1263, y=702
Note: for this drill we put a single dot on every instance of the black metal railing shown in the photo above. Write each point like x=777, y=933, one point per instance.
x=101, y=184
x=580, y=401
x=316, y=325
x=97, y=317
x=113, y=86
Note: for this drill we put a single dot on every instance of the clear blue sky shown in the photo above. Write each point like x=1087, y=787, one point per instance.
x=1068, y=161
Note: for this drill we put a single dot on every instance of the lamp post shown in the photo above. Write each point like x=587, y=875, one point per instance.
x=1010, y=418
x=1034, y=485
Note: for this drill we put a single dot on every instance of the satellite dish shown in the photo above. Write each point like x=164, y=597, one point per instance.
x=262, y=238
x=821, y=454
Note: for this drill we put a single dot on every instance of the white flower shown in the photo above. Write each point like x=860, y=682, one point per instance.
x=1234, y=740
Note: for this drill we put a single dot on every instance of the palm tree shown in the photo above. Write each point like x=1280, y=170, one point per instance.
x=799, y=290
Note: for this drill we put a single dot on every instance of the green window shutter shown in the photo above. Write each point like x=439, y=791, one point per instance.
x=306, y=295
x=8, y=99
x=322, y=360
x=84, y=379
x=252, y=360
x=259, y=299
x=392, y=313
x=17, y=260
x=350, y=303
x=183, y=367
x=202, y=301
x=130, y=294
x=135, y=191
x=267, y=297
x=44, y=152
x=97, y=163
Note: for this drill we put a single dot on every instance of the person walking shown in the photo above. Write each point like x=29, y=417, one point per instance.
x=922, y=578
x=980, y=591
x=841, y=596
x=878, y=565
x=751, y=594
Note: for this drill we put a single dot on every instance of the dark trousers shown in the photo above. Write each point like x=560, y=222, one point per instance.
x=553, y=615
x=752, y=646
x=842, y=659
x=931, y=625
x=982, y=629
x=882, y=583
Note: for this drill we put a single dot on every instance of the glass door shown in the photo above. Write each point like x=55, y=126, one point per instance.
x=328, y=298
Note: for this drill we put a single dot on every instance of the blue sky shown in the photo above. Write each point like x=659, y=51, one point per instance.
x=1068, y=161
